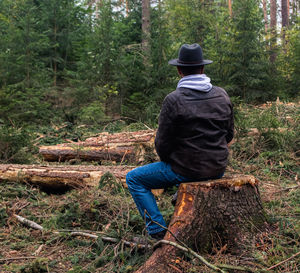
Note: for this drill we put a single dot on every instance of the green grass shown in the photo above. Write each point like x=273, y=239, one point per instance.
x=272, y=156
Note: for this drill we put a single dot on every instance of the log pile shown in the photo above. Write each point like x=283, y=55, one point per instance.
x=210, y=214
x=129, y=147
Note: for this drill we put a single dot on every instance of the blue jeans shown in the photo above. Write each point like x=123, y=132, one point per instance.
x=141, y=180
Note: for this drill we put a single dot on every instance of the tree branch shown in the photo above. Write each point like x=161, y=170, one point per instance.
x=81, y=233
x=188, y=250
x=290, y=258
x=28, y=223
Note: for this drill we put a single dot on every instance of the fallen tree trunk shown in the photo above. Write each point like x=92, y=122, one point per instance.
x=129, y=147
x=57, y=177
x=64, y=177
x=214, y=214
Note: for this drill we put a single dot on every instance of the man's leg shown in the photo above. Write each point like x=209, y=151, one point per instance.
x=141, y=180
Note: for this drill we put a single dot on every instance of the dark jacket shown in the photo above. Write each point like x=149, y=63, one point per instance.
x=194, y=129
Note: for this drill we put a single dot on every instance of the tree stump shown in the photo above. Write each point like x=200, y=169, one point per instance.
x=208, y=215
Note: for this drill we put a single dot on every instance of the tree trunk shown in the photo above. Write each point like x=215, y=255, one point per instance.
x=265, y=15
x=61, y=177
x=55, y=50
x=146, y=28
x=127, y=8
x=129, y=147
x=284, y=20
x=230, y=8
x=284, y=13
x=213, y=214
x=273, y=27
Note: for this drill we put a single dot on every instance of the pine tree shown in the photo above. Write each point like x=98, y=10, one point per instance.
x=273, y=28
x=25, y=74
x=248, y=64
x=146, y=28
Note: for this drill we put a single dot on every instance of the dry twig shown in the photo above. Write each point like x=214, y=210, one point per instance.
x=287, y=189
x=28, y=223
x=37, y=252
x=84, y=234
x=16, y=258
x=282, y=262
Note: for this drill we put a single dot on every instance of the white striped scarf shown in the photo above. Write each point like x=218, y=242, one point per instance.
x=199, y=82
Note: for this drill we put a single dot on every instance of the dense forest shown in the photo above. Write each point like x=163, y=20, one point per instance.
x=81, y=87
x=89, y=61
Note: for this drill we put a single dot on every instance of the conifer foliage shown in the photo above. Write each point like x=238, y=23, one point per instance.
x=248, y=62
x=89, y=61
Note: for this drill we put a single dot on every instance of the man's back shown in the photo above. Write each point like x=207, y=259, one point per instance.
x=194, y=129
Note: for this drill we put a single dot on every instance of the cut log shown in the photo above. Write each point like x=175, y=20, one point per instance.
x=61, y=176
x=129, y=147
x=64, y=177
x=209, y=215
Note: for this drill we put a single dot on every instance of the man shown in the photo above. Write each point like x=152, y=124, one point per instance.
x=195, y=126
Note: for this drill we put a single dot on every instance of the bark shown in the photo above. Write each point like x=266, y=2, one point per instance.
x=284, y=14
x=230, y=8
x=210, y=215
x=146, y=27
x=61, y=177
x=127, y=8
x=273, y=14
x=284, y=21
x=55, y=49
x=273, y=27
x=64, y=177
x=129, y=147
x=265, y=15
x=126, y=5
x=96, y=3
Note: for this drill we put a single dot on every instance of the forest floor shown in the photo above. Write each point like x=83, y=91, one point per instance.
x=271, y=154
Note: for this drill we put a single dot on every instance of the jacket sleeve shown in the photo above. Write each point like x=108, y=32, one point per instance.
x=230, y=132
x=165, y=134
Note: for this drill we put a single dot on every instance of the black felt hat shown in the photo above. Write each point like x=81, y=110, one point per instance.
x=190, y=55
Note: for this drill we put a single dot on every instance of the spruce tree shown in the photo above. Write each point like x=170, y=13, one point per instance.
x=248, y=64
x=24, y=76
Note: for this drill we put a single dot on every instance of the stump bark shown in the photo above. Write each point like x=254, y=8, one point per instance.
x=209, y=215
x=129, y=147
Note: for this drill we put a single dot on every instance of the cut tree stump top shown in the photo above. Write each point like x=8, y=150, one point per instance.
x=229, y=180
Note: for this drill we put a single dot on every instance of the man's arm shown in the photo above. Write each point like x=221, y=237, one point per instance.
x=165, y=134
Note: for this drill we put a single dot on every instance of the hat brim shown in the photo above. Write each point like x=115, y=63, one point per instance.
x=177, y=63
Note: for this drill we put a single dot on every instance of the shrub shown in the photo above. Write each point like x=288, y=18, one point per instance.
x=14, y=145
